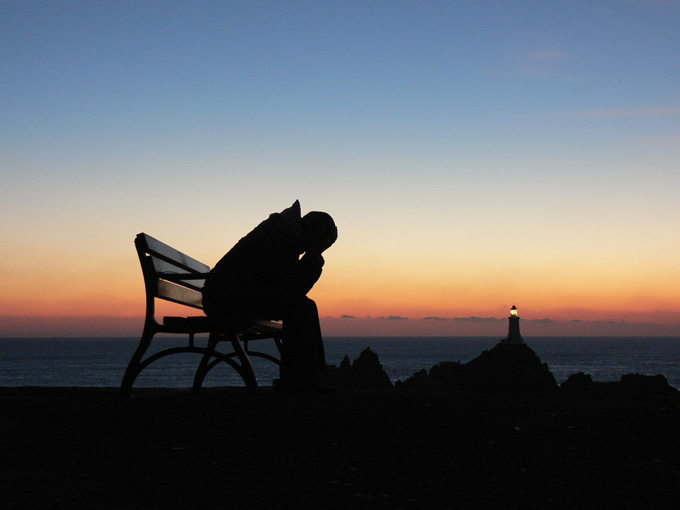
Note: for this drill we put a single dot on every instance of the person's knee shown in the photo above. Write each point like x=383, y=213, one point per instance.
x=300, y=304
x=310, y=303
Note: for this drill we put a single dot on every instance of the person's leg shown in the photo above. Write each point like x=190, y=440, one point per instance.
x=302, y=352
x=316, y=338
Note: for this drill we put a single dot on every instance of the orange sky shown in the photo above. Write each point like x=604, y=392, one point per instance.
x=471, y=161
x=90, y=299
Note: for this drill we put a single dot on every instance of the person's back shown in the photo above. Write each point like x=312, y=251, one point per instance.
x=257, y=272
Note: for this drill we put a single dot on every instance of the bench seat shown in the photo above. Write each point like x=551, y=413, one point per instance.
x=194, y=324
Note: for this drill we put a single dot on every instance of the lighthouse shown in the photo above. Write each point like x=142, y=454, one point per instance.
x=514, y=336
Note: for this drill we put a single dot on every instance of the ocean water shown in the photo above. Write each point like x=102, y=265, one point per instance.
x=101, y=362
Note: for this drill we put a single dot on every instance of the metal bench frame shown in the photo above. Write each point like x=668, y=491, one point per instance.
x=173, y=276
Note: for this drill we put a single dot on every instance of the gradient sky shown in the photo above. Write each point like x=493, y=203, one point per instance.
x=474, y=155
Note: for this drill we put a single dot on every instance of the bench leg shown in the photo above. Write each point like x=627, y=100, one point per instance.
x=132, y=370
x=247, y=370
x=244, y=368
x=204, y=365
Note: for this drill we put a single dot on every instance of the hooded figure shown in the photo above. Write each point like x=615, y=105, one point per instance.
x=267, y=275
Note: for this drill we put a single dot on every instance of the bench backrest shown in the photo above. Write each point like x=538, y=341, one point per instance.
x=170, y=274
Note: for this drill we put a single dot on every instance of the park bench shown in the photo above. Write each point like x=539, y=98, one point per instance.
x=173, y=276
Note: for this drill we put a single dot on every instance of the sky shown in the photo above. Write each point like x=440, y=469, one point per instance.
x=474, y=155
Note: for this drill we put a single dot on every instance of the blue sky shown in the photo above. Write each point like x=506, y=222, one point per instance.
x=455, y=143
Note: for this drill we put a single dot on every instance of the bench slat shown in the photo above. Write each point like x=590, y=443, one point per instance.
x=179, y=294
x=173, y=256
x=174, y=273
x=267, y=324
x=165, y=267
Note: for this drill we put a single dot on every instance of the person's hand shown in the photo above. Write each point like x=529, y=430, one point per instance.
x=309, y=270
x=312, y=259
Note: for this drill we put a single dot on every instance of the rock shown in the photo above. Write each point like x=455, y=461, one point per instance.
x=512, y=369
x=581, y=385
x=630, y=386
x=443, y=376
x=365, y=372
x=509, y=369
x=368, y=371
x=578, y=383
x=638, y=385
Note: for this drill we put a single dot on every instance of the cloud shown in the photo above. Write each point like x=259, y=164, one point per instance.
x=620, y=113
x=436, y=319
x=601, y=322
x=397, y=318
x=347, y=316
x=474, y=318
x=543, y=321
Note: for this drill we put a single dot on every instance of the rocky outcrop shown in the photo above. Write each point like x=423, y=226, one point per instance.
x=365, y=372
x=630, y=386
x=512, y=369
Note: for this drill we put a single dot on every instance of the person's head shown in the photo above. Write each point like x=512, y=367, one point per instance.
x=318, y=231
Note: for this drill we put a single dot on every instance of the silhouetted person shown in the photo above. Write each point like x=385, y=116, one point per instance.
x=264, y=277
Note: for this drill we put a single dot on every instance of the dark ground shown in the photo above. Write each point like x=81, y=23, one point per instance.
x=90, y=448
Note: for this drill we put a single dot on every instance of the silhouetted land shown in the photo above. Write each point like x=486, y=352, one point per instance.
x=386, y=448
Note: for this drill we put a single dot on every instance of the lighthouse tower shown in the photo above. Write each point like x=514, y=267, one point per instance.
x=514, y=336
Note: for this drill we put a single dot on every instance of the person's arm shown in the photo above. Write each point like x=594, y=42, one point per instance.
x=309, y=271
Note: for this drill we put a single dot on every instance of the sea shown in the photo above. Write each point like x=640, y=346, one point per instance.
x=101, y=362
